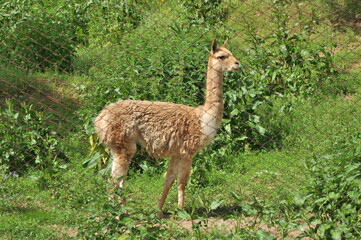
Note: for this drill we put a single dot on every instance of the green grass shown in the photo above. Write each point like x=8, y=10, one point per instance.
x=42, y=206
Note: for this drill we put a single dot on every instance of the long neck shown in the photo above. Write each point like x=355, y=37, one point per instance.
x=214, y=92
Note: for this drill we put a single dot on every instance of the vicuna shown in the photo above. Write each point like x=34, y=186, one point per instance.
x=166, y=129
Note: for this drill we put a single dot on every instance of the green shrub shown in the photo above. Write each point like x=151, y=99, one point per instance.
x=335, y=192
x=288, y=61
x=110, y=20
x=27, y=140
x=280, y=65
x=38, y=35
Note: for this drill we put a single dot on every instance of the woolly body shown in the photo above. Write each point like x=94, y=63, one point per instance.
x=164, y=129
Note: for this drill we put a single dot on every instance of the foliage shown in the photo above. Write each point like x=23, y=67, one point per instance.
x=283, y=63
x=110, y=20
x=99, y=156
x=334, y=195
x=205, y=11
x=30, y=36
x=112, y=221
x=288, y=60
x=27, y=140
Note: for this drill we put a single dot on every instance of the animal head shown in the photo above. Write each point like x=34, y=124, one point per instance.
x=221, y=59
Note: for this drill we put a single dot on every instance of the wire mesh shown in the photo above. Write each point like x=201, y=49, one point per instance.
x=61, y=65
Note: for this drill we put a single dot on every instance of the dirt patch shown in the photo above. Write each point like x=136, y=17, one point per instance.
x=348, y=97
x=356, y=65
x=68, y=232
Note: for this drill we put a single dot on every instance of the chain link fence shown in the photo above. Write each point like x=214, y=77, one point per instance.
x=295, y=98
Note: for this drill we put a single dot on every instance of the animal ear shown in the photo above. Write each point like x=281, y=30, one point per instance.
x=214, y=46
x=225, y=43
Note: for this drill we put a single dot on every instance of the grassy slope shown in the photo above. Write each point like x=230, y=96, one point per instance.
x=46, y=209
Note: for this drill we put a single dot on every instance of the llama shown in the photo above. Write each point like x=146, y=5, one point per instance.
x=166, y=129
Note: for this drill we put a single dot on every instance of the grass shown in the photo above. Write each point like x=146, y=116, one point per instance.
x=39, y=206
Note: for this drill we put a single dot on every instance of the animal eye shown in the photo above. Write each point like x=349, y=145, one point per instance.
x=222, y=57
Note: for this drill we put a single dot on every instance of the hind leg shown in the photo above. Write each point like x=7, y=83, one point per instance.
x=184, y=170
x=121, y=160
x=169, y=180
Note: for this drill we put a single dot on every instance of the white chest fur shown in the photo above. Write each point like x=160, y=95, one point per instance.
x=209, y=124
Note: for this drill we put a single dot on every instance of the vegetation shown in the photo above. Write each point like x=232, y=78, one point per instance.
x=27, y=140
x=286, y=163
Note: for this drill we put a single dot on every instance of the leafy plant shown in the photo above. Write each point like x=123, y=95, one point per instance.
x=27, y=140
x=335, y=192
x=99, y=156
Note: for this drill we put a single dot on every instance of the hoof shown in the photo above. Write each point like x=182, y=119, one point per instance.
x=160, y=214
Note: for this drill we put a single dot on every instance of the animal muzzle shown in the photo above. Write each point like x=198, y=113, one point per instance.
x=235, y=66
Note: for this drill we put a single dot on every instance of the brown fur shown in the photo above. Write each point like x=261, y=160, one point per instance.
x=166, y=129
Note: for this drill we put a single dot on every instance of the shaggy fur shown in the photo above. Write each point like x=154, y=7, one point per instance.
x=166, y=129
